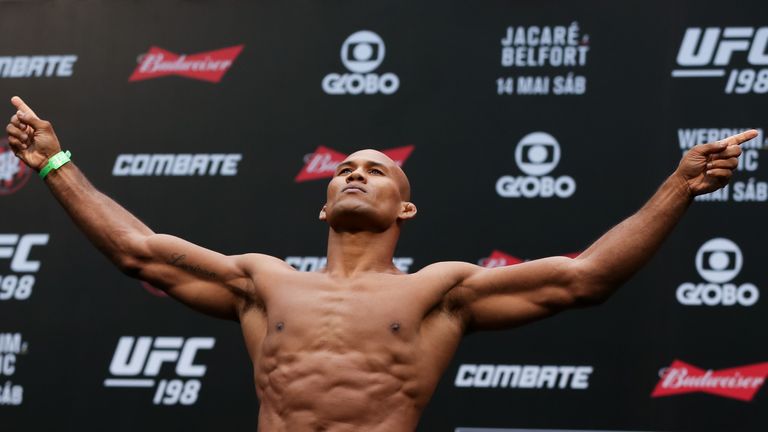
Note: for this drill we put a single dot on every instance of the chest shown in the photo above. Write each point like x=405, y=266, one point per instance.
x=309, y=320
x=353, y=311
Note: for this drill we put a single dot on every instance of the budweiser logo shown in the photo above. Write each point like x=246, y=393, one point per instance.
x=737, y=383
x=500, y=259
x=322, y=163
x=207, y=66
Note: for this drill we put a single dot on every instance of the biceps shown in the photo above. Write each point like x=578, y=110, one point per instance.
x=200, y=278
x=502, y=311
x=170, y=261
x=513, y=295
x=207, y=298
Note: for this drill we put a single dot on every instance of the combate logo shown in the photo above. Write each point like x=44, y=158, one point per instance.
x=523, y=376
x=44, y=66
x=169, y=164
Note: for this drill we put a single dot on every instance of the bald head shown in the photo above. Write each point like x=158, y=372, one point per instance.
x=369, y=192
x=375, y=156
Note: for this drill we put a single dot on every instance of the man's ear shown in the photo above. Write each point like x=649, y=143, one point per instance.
x=407, y=210
x=323, y=216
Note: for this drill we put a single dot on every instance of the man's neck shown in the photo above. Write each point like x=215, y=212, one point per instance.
x=351, y=253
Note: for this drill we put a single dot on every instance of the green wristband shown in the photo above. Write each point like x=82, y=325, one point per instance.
x=55, y=162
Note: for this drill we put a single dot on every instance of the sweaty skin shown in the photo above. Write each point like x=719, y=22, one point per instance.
x=361, y=346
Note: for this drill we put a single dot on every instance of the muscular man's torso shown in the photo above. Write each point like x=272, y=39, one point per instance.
x=336, y=354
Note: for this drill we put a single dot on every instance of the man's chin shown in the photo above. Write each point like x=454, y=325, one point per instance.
x=355, y=217
x=353, y=210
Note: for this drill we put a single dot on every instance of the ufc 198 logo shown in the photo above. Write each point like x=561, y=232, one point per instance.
x=708, y=52
x=361, y=53
x=17, y=248
x=718, y=262
x=137, y=362
x=537, y=155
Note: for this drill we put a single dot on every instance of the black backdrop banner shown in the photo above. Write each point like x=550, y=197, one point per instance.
x=527, y=130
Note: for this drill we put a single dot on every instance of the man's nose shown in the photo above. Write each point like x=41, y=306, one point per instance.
x=356, y=175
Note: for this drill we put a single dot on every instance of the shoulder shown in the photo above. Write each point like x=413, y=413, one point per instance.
x=255, y=263
x=451, y=267
x=452, y=272
x=262, y=271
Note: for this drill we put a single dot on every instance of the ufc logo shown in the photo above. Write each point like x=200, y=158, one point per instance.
x=19, y=255
x=145, y=355
x=715, y=46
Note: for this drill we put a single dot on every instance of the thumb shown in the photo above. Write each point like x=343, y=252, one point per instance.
x=712, y=148
x=26, y=115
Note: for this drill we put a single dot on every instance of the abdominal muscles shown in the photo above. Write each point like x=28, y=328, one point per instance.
x=324, y=385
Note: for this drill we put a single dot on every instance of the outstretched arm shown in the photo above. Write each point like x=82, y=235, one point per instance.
x=205, y=280
x=509, y=296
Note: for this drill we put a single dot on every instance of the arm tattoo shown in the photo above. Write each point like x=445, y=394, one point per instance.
x=177, y=260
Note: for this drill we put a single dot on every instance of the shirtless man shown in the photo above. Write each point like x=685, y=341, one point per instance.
x=361, y=346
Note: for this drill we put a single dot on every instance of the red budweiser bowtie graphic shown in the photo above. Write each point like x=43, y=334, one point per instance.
x=207, y=66
x=322, y=163
x=738, y=383
x=498, y=258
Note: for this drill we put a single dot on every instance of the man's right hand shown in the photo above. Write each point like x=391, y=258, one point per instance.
x=31, y=139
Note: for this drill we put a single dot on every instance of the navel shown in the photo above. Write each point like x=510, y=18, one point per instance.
x=279, y=326
x=394, y=327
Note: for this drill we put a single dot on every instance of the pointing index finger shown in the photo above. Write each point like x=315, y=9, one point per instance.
x=21, y=106
x=740, y=138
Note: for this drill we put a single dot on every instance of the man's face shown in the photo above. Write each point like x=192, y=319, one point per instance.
x=368, y=192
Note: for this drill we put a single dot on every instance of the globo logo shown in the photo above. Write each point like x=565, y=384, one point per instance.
x=718, y=262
